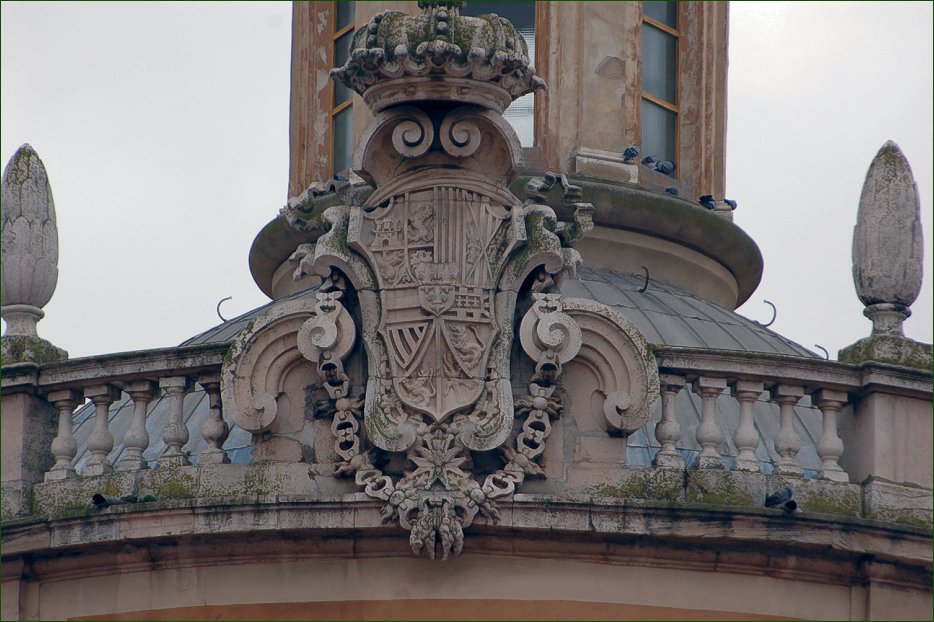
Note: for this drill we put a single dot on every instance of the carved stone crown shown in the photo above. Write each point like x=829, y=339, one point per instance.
x=479, y=60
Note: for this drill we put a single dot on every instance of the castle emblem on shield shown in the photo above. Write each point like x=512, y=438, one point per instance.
x=437, y=254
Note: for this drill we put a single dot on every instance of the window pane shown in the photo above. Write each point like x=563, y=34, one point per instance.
x=341, y=54
x=342, y=127
x=659, y=63
x=521, y=113
x=658, y=131
x=664, y=12
x=345, y=14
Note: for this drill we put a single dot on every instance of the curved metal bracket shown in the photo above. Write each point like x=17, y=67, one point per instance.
x=218, y=308
x=824, y=350
x=774, y=315
x=645, y=286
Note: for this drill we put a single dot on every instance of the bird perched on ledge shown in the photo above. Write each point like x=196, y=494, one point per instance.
x=707, y=201
x=731, y=203
x=630, y=153
x=650, y=161
x=665, y=167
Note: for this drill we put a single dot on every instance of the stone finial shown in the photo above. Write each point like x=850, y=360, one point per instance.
x=887, y=252
x=29, y=258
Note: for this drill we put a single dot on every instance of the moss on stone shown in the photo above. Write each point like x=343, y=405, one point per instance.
x=171, y=482
x=29, y=348
x=903, y=516
x=889, y=349
x=715, y=487
x=651, y=485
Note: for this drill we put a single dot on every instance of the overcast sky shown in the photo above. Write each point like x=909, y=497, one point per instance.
x=164, y=130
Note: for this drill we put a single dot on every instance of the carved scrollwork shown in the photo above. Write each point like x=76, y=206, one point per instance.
x=615, y=347
x=460, y=135
x=414, y=133
x=252, y=376
x=547, y=328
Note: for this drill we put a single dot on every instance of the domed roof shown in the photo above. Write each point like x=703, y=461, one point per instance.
x=666, y=315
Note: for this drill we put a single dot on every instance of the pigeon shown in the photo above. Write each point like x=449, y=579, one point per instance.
x=672, y=191
x=666, y=167
x=731, y=203
x=630, y=153
x=782, y=499
x=708, y=201
x=649, y=160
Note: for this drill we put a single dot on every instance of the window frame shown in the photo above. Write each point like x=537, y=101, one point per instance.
x=336, y=109
x=645, y=95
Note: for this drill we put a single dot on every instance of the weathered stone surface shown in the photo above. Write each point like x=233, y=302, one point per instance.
x=29, y=257
x=891, y=349
x=887, y=244
x=481, y=60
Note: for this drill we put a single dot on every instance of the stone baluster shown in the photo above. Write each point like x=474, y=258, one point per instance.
x=668, y=431
x=101, y=441
x=214, y=429
x=746, y=438
x=136, y=439
x=64, y=446
x=175, y=433
x=787, y=441
x=708, y=432
x=830, y=446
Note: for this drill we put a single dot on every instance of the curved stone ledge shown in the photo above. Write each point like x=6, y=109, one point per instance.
x=749, y=541
x=617, y=206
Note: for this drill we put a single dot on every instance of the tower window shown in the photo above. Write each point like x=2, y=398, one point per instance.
x=660, y=57
x=521, y=113
x=342, y=98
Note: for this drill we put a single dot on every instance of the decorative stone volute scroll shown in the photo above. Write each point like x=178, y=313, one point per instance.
x=887, y=260
x=627, y=372
x=29, y=258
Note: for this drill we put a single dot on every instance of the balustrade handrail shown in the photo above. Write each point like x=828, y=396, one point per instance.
x=813, y=374
x=119, y=367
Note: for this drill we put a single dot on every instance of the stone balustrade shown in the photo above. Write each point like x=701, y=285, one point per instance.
x=172, y=373
x=788, y=382
x=143, y=377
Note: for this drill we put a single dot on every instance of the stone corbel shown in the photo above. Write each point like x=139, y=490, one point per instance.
x=617, y=352
x=321, y=331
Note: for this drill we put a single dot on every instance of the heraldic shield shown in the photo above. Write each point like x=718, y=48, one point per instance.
x=437, y=254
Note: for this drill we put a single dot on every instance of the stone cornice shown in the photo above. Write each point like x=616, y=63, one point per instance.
x=750, y=541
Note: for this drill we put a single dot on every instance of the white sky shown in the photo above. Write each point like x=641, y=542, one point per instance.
x=164, y=130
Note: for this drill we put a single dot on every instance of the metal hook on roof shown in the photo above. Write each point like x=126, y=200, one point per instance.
x=645, y=286
x=824, y=350
x=774, y=315
x=218, y=308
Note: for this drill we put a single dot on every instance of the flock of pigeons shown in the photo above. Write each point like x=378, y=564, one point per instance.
x=667, y=167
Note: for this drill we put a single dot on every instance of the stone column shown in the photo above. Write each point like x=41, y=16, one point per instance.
x=668, y=431
x=64, y=446
x=830, y=446
x=101, y=441
x=29, y=252
x=787, y=441
x=709, y=433
x=136, y=439
x=746, y=438
x=215, y=430
x=175, y=433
